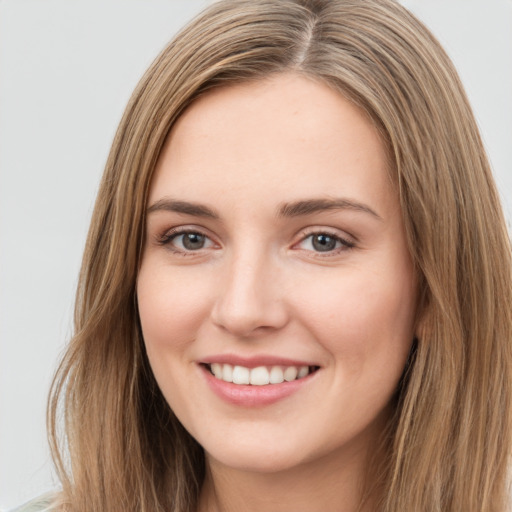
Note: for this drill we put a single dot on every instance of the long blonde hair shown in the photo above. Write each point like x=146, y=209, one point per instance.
x=121, y=447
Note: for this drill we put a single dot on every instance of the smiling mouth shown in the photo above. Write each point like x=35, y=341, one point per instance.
x=259, y=376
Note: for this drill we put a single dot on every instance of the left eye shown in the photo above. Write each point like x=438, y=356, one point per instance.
x=323, y=242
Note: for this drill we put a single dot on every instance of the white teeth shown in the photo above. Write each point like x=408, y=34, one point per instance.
x=240, y=375
x=227, y=373
x=303, y=371
x=276, y=375
x=290, y=373
x=217, y=370
x=259, y=376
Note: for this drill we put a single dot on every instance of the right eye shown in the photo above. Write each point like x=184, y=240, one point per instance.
x=186, y=241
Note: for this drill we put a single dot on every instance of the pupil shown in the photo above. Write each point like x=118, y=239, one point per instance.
x=324, y=243
x=193, y=241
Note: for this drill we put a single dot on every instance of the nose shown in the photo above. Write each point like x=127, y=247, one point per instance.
x=251, y=299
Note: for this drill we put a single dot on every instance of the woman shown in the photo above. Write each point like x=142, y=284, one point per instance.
x=296, y=288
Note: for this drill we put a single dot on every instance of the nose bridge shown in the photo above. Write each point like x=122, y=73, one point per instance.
x=248, y=298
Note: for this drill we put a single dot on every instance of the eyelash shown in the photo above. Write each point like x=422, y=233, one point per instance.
x=167, y=238
x=345, y=245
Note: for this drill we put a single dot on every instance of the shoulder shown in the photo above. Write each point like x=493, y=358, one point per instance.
x=44, y=503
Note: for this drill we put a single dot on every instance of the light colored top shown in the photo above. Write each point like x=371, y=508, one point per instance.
x=41, y=504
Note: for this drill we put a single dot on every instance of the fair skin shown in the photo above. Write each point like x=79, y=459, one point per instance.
x=275, y=240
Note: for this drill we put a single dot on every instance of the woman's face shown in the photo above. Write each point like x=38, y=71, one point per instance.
x=275, y=254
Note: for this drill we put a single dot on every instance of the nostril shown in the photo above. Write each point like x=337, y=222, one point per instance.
x=249, y=300
x=249, y=322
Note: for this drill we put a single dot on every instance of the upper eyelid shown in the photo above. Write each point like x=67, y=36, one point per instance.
x=347, y=244
x=167, y=237
x=334, y=232
x=178, y=230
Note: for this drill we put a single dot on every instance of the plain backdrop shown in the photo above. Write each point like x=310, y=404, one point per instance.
x=67, y=69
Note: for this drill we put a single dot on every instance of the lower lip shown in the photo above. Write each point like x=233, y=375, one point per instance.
x=253, y=396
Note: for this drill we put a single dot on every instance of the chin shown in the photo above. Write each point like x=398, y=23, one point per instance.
x=254, y=459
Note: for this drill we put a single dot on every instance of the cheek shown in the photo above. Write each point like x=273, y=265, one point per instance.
x=364, y=319
x=170, y=307
x=171, y=311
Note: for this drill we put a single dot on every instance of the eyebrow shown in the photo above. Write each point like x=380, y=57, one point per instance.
x=293, y=209
x=195, y=209
x=309, y=206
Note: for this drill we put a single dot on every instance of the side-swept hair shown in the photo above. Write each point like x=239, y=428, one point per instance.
x=450, y=438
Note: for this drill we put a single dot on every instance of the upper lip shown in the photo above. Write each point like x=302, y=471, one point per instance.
x=254, y=361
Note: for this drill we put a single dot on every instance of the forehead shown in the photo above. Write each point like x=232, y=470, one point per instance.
x=287, y=134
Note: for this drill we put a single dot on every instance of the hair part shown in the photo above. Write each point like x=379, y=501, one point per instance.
x=450, y=437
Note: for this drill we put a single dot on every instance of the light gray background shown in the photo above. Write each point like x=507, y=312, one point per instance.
x=67, y=68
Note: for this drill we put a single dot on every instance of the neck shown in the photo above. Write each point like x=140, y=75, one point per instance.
x=325, y=484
